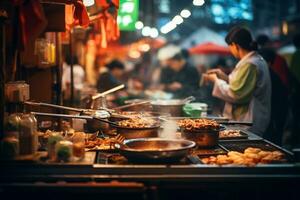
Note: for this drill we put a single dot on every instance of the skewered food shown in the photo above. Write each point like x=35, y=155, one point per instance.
x=229, y=133
x=138, y=123
x=250, y=157
x=198, y=124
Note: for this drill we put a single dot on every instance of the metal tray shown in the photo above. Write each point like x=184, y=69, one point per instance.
x=265, y=145
x=218, y=150
x=118, y=159
x=243, y=136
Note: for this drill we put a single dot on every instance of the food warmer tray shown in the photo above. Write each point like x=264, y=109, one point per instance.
x=243, y=136
x=265, y=145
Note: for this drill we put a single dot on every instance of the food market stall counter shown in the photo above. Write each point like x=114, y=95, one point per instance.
x=117, y=177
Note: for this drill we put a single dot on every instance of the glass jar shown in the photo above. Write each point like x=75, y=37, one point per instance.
x=11, y=144
x=53, y=139
x=12, y=125
x=78, y=145
x=28, y=135
x=16, y=92
x=64, y=151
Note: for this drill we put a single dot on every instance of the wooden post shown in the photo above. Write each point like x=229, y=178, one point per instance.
x=3, y=17
x=71, y=68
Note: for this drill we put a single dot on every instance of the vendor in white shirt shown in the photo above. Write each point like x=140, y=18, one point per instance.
x=247, y=90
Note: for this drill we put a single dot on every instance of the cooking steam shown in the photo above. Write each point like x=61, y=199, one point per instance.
x=170, y=128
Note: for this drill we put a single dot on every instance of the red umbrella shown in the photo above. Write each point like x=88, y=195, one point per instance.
x=209, y=48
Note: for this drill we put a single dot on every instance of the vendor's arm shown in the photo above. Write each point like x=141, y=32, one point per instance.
x=240, y=89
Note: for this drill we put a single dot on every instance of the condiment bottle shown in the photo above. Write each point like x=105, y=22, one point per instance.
x=9, y=146
x=28, y=135
x=53, y=139
x=64, y=151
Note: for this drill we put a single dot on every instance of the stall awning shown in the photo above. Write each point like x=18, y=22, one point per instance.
x=209, y=48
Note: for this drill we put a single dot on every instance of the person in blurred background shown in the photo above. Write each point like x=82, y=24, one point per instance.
x=178, y=77
x=279, y=101
x=247, y=90
x=295, y=92
x=280, y=76
x=110, y=75
x=79, y=78
x=278, y=64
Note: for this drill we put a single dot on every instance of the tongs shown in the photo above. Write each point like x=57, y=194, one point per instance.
x=100, y=117
x=81, y=111
x=135, y=103
x=103, y=94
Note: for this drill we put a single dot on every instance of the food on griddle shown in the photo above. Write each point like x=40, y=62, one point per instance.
x=229, y=133
x=100, y=143
x=138, y=123
x=250, y=157
x=198, y=124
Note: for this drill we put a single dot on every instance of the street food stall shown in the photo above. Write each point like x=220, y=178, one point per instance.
x=144, y=149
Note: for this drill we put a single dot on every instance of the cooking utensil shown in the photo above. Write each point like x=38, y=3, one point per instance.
x=155, y=149
x=79, y=110
x=131, y=105
x=101, y=116
x=204, y=138
x=100, y=124
x=126, y=132
x=108, y=92
x=172, y=106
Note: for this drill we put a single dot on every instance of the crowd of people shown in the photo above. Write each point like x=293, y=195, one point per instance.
x=261, y=88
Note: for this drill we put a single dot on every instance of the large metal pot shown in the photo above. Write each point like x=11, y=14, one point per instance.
x=133, y=133
x=156, y=149
x=172, y=106
x=203, y=138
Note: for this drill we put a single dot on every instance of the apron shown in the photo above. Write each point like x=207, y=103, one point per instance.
x=257, y=107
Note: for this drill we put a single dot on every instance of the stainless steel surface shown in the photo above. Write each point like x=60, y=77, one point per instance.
x=173, y=106
x=156, y=149
x=99, y=116
x=203, y=138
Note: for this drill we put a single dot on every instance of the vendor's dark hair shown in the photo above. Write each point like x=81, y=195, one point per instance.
x=262, y=40
x=115, y=64
x=178, y=56
x=269, y=55
x=242, y=37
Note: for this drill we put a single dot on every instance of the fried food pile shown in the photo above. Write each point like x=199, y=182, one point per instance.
x=229, y=133
x=100, y=143
x=198, y=124
x=250, y=157
x=138, y=123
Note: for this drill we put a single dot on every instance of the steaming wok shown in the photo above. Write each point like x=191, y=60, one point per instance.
x=151, y=150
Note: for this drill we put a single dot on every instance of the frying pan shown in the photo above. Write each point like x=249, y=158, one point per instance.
x=155, y=150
